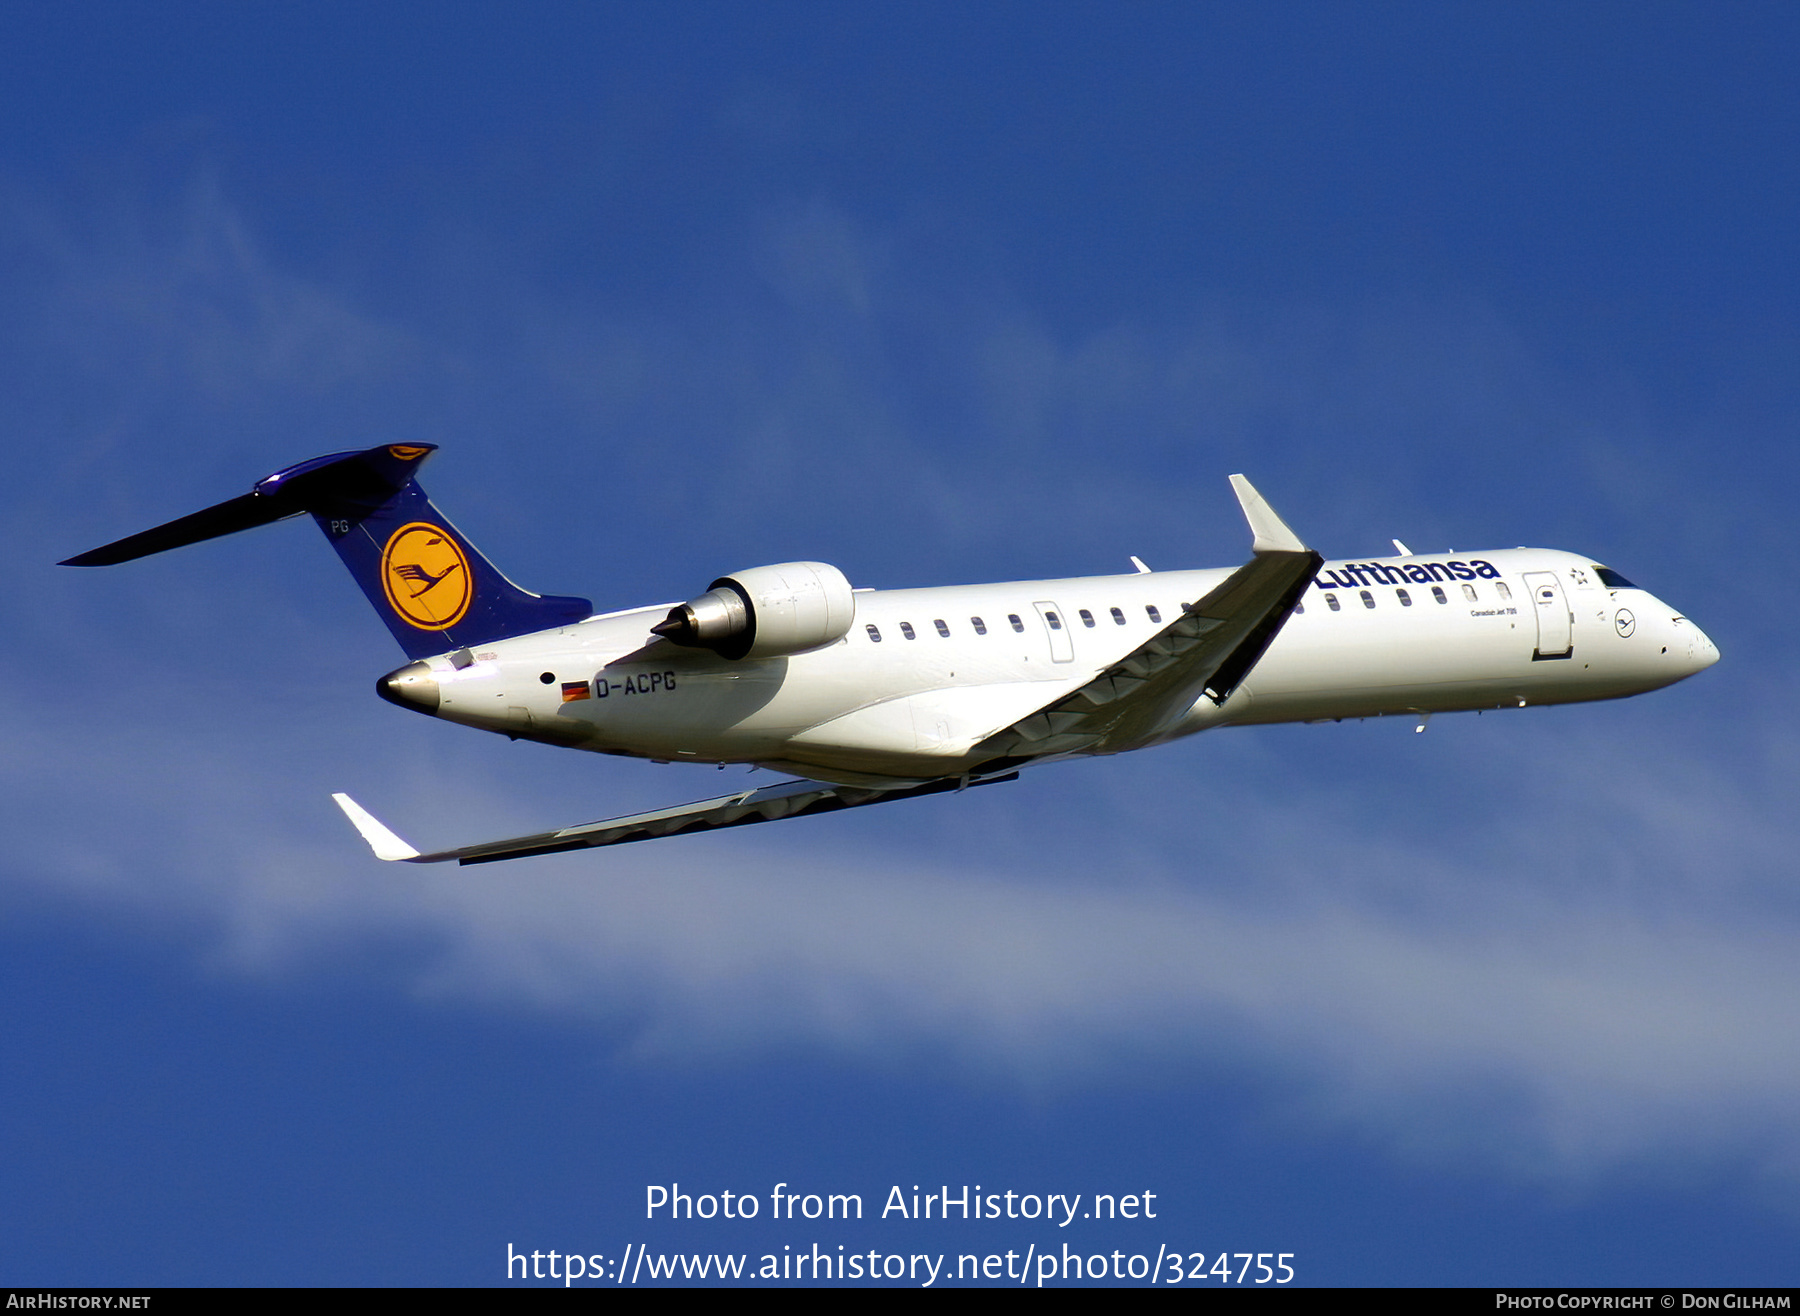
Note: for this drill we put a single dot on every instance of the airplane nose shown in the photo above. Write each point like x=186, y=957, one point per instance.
x=1702, y=652
x=412, y=686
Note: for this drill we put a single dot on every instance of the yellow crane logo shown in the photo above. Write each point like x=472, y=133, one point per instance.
x=426, y=576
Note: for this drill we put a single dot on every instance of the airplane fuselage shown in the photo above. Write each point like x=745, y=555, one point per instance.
x=924, y=676
x=869, y=696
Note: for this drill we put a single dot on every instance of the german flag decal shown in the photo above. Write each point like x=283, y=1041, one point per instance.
x=426, y=576
x=573, y=690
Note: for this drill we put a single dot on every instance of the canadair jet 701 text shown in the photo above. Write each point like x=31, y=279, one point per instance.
x=874, y=695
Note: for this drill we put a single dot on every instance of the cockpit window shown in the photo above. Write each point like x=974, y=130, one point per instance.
x=1612, y=579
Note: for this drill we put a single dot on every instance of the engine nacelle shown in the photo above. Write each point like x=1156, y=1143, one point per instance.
x=765, y=612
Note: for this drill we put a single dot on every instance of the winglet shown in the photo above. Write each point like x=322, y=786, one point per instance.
x=1272, y=533
x=382, y=841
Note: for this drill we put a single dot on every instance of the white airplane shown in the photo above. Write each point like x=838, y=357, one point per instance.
x=876, y=695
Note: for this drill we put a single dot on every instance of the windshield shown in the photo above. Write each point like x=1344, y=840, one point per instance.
x=1612, y=579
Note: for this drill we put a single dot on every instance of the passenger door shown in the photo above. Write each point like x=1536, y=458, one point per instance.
x=1555, y=623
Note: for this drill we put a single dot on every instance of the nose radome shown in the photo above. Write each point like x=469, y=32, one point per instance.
x=1689, y=645
x=1702, y=652
x=412, y=686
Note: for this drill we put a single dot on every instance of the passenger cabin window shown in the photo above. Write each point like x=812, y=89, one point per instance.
x=1437, y=592
x=1087, y=618
x=907, y=630
x=1017, y=625
x=1118, y=617
x=1054, y=620
x=942, y=629
x=979, y=625
x=1330, y=602
x=1367, y=598
x=1404, y=597
x=874, y=632
x=1505, y=593
x=1470, y=594
x=1154, y=615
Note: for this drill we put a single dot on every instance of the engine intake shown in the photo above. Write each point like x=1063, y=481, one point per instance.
x=765, y=612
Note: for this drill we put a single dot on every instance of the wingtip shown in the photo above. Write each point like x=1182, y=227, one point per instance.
x=381, y=840
x=1271, y=532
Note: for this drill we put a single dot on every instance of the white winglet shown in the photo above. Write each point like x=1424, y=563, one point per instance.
x=1272, y=533
x=383, y=842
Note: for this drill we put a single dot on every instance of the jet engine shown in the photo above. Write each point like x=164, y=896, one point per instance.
x=765, y=612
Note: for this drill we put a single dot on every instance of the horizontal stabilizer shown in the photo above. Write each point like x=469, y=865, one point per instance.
x=341, y=484
x=227, y=518
x=785, y=799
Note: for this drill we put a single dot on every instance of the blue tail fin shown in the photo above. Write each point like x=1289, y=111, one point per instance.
x=430, y=585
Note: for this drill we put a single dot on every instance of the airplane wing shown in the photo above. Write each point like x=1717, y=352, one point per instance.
x=786, y=799
x=1208, y=649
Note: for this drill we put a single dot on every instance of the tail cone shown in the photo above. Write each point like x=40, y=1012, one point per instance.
x=412, y=686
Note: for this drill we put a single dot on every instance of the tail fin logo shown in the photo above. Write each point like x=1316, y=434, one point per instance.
x=426, y=576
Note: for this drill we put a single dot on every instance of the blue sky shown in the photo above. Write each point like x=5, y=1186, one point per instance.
x=937, y=297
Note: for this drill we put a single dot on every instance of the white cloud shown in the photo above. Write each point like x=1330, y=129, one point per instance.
x=1503, y=1004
